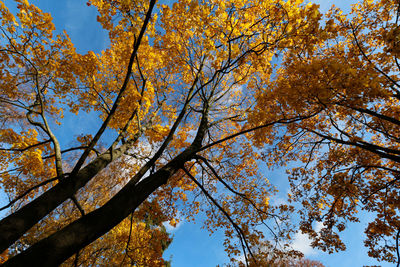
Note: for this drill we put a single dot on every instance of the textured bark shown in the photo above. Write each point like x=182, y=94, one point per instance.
x=60, y=246
x=16, y=224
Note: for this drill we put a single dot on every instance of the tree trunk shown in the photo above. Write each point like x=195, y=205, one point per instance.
x=63, y=244
x=16, y=224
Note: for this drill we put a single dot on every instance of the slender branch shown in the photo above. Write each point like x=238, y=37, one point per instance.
x=169, y=137
x=364, y=145
x=129, y=240
x=34, y=123
x=243, y=196
x=14, y=104
x=28, y=191
x=280, y=121
x=369, y=60
x=105, y=105
x=219, y=178
x=397, y=247
x=121, y=91
x=375, y=114
x=12, y=170
x=75, y=200
x=239, y=231
x=229, y=187
x=72, y=149
x=46, y=128
x=25, y=148
x=364, y=201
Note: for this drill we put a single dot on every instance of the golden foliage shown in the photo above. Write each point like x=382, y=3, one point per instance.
x=194, y=100
x=348, y=84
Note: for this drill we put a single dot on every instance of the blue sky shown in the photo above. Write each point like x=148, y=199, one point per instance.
x=191, y=246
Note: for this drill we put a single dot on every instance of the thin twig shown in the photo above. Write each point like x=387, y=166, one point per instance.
x=239, y=231
x=27, y=192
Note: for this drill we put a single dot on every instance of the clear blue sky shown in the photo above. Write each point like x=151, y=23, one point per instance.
x=191, y=246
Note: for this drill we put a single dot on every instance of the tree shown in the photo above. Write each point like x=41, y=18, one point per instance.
x=350, y=149
x=174, y=88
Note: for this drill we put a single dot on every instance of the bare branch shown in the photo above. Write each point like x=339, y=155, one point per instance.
x=280, y=121
x=25, y=148
x=239, y=231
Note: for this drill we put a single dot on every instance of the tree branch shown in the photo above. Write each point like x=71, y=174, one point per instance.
x=280, y=121
x=27, y=192
x=25, y=148
x=121, y=91
x=239, y=231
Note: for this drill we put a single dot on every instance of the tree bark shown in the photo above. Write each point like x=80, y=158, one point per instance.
x=63, y=244
x=16, y=224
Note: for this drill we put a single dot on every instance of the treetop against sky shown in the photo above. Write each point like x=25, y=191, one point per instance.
x=171, y=114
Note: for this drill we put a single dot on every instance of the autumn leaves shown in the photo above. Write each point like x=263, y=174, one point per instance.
x=194, y=97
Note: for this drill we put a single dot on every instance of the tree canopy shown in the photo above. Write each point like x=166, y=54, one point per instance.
x=192, y=98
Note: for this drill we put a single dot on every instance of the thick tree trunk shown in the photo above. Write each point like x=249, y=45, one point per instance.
x=63, y=244
x=16, y=224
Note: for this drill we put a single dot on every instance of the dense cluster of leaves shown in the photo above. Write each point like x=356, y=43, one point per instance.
x=194, y=102
x=350, y=147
